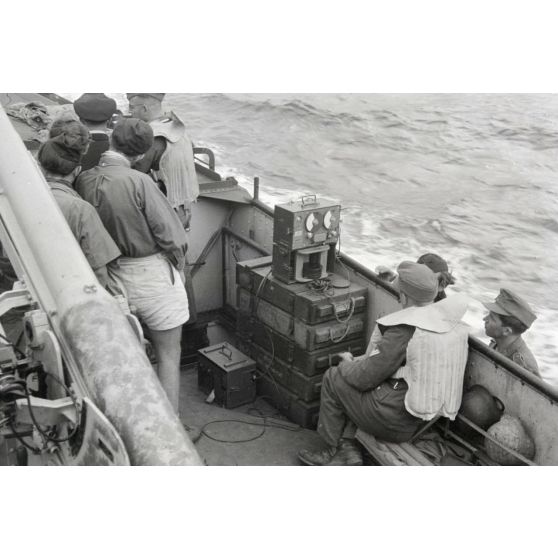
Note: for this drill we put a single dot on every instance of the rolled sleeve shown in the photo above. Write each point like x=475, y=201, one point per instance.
x=96, y=243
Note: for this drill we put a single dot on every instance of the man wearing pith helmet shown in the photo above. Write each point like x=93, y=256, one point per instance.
x=509, y=317
x=170, y=161
x=414, y=374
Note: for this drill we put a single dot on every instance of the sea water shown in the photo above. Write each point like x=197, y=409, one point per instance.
x=472, y=177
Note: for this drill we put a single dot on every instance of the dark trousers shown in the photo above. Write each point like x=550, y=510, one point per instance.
x=380, y=411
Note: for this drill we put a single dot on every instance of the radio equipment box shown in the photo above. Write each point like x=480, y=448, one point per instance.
x=308, y=337
x=305, y=387
x=244, y=277
x=308, y=363
x=304, y=237
x=229, y=372
x=337, y=298
x=305, y=223
x=300, y=412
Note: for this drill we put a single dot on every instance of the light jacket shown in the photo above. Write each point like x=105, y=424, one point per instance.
x=436, y=357
x=177, y=169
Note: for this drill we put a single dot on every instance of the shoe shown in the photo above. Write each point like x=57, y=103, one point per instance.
x=322, y=457
x=348, y=454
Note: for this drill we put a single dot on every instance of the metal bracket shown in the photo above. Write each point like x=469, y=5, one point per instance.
x=45, y=411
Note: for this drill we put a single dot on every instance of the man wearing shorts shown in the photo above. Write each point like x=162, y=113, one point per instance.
x=152, y=241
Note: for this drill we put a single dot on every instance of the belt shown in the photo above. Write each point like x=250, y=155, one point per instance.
x=396, y=383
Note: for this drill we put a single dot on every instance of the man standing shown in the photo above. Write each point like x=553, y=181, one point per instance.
x=414, y=374
x=94, y=111
x=152, y=241
x=171, y=163
x=60, y=158
x=508, y=318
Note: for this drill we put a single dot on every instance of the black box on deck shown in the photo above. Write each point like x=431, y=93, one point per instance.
x=302, y=300
x=308, y=363
x=307, y=388
x=339, y=297
x=244, y=276
x=300, y=412
x=308, y=337
x=229, y=372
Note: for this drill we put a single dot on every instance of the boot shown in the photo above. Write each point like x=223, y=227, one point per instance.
x=322, y=457
x=348, y=454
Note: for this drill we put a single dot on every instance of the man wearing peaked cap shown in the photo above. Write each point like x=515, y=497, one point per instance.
x=157, y=96
x=151, y=238
x=509, y=317
x=94, y=107
x=94, y=111
x=414, y=374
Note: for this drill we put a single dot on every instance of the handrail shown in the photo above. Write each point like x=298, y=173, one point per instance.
x=209, y=153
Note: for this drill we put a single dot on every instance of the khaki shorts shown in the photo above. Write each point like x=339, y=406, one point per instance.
x=153, y=287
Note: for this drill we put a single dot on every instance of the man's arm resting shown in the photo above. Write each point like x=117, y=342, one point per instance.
x=390, y=355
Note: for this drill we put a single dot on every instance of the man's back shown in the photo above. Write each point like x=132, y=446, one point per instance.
x=96, y=244
x=135, y=213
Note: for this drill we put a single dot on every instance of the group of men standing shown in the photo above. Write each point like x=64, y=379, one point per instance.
x=127, y=195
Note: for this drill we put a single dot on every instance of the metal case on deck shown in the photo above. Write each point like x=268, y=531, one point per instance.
x=305, y=362
x=308, y=337
x=301, y=299
x=300, y=412
x=229, y=372
x=306, y=387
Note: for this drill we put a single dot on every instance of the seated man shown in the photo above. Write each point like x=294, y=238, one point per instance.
x=509, y=316
x=414, y=374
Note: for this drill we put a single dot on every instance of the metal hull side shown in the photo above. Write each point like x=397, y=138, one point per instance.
x=538, y=413
x=208, y=218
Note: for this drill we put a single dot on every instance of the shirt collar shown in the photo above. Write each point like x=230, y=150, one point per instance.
x=62, y=185
x=109, y=158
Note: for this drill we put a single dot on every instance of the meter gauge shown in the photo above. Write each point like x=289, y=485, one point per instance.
x=329, y=219
x=311, y=222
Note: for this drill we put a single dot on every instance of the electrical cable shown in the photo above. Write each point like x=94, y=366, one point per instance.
x=257, y=298
x=44, y=433
x=266, y=424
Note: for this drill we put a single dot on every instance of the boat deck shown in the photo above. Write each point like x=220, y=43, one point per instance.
x=276, y=442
